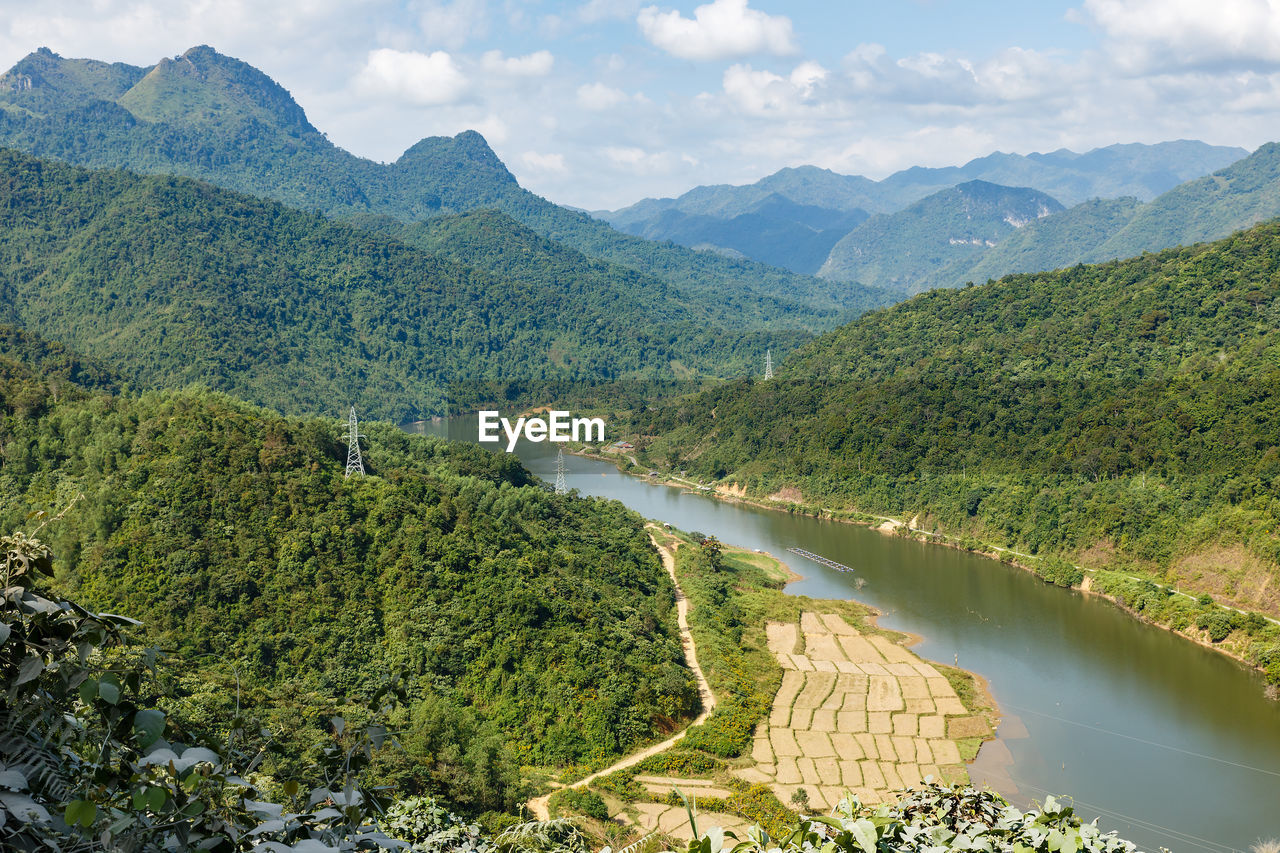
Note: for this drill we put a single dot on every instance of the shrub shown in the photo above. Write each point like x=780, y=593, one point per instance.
x=1059, y=572
x=568, y=801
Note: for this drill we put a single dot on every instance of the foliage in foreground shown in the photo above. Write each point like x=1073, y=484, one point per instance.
x=929, y=819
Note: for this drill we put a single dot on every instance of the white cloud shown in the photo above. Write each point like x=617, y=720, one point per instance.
x=598, y=96
x=638, y=161
x=544, y=162
x=721, y=29
x=536, y=64
x=1182, y=32
x=764, y=93
x=424, y=79
x=451, y=23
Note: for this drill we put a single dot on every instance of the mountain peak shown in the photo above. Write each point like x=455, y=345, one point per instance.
x=42, y=81
x=203, y=86
x=464, y=170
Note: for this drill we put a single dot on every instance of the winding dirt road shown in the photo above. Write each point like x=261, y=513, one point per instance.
x=538, y=805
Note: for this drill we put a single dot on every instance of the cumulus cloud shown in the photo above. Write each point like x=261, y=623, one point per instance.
x=763, y=92
x=424, y=79
x=721, y=29
x=1191, y=31
x=536, y=64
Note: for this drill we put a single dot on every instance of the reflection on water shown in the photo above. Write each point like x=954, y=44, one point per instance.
x=1171, y=744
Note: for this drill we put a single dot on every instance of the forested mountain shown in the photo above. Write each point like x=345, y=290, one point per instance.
x=1243, y=194
x=528, y=628
x=173, y=281
x=901, y=251
x=210, y=116
x=726, y=216
x=775, y=230
x=1123, y=414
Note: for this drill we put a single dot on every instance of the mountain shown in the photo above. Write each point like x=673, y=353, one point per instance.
x=715, y=214
x=774, y=230
x=1241, y=195
x=210, y=116
x=173, y=281
x=1068, y=237
x=899, y=251
x=1125, y=414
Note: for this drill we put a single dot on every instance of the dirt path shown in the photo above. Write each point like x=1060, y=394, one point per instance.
x=538, y=805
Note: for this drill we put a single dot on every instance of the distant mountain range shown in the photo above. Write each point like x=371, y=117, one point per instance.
x=900, y=251
x=788, y=218
x=206, y=115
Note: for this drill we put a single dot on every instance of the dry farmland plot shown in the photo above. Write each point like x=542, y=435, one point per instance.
x=854, y=713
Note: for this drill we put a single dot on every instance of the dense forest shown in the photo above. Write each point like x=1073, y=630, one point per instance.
x=210, y=116
x=173, y=281
x=1123, y=414
x=525, y=628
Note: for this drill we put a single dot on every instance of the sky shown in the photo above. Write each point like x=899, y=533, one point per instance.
x=599, y=103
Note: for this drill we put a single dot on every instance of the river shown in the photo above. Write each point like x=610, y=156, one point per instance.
x=1170, y=744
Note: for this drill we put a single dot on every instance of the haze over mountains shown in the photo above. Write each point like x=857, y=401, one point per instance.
x=792, y=217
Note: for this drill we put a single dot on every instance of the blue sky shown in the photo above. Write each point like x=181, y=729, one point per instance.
x=598, y=103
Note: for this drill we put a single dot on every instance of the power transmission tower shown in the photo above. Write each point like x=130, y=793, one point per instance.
x=562, y=486
x=768, y=363
x=355, y=463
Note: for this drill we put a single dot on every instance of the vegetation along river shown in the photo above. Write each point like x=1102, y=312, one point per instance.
x=1169, y=743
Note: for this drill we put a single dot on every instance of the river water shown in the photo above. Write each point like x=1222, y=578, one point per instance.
x=1170, y=744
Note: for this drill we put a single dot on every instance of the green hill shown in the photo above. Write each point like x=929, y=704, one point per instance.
x=233, y=535
x=900, y=251
x=210, y=116
x=1241, y=195
x=173, y=282
x=1068, y=237
x=1124, y=414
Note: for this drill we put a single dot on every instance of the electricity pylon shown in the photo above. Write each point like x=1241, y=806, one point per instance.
x=562, y=486
x=355, y=463
x=768, y=363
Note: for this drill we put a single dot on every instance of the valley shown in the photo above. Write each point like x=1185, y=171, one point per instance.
x=1063, y=365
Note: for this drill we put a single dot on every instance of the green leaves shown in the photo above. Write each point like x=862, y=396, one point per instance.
x=80, y=813
x=149, y=726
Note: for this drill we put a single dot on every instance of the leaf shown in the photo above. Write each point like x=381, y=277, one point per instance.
x=5, y=631
x=155, y=799
x=149, y=725
x=109, y=690
x=338, y=724
x=80, y=813
x=13, y=780
x=864, y=834
x=29, y=669
x=88, y=690
x=193, y=808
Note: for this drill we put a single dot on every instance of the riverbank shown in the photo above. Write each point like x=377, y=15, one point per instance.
x=817, y=701
x=1249, y=639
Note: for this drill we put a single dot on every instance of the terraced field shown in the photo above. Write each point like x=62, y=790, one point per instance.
x=856, y=714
